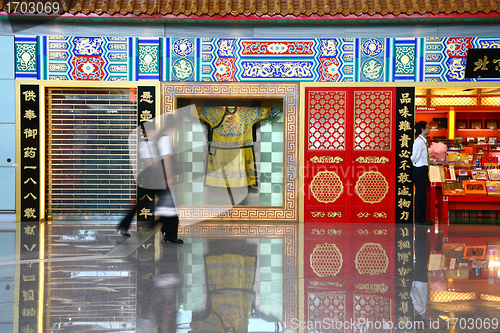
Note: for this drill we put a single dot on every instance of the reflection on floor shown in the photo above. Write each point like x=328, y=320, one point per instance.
x=69, y=276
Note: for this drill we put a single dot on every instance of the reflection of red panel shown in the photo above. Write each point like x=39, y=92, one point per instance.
x=334, y=293
x=349, y=155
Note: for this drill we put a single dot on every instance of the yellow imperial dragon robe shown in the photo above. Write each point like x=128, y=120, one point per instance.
x=231, y=157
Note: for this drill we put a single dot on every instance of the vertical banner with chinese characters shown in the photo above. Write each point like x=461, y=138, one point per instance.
x=30, y=152
x=405, y=118
x=404, y=266
x=146, y=108
x=29, y=278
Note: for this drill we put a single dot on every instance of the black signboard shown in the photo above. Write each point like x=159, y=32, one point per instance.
x=405, y=119
x=483, y=63
x=146, y=108
x=30, y=152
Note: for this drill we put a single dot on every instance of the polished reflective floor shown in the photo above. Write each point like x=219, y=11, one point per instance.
x=81, y=276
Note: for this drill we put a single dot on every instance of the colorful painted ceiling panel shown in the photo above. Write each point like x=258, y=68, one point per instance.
x=246, y=60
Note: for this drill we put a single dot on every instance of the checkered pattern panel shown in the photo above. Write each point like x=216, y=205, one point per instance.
x=271, y=162
x=193, y=141
x=191, y=147
x=271, y=277
x=192, y=274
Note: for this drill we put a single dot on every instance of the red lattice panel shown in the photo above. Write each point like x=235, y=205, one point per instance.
x=327, y=123
x=372, y=120
x=326, y=305
x=376, y=309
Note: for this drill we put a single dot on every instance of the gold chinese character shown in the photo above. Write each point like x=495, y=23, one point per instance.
x=403, y=177
x=146, y=116
x=404, y=111
x=404, y=140
x=30, y=167
x=29, y=95
x=27, y=329
x=404, y=244
x=30, y=213
x=403, y=320
x=30, y=133
x=146, y=97
x=404, y=125
x=146, y=246
x=404, y=154
x=30, y=194
x=405, y=216
x=404, y=232
x=404, y=165
x=29, y=248
x=495, y=61
x=30, y=152
x=481, y=64
x=404, y=191
x=29, y=278
x=402, y=203
x=404, y=257
x=30, y=230
x=29, y=295
x=403, y=271
x=29, y=114
x=30, y=179
x=146, y=196
x=404, y=307
x=404, y=295
x=403, y=282
x=28, y=312
x=145, y=212
x=405, y=98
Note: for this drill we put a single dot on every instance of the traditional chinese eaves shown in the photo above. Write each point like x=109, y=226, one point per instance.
x=284, y=9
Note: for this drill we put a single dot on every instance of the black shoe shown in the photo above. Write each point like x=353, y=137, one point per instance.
x=173, y=240
x=123, y=233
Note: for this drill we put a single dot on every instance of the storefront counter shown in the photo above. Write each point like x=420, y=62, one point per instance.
x=467, y=202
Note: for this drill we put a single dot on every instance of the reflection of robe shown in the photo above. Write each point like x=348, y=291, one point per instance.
x=230, y=281
x=231, y=160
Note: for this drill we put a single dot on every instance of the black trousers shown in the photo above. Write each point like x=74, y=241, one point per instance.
x=170, y=224
x=420, y=179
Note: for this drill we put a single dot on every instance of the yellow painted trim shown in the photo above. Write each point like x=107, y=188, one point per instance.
x=17, y=273
x=41, y=278
x=91, y=84
x=41, y=130
x=451, y=124
x=18, y=152
x=43, y=84
x=301, y=146
x=300, y=273
x=404, y=84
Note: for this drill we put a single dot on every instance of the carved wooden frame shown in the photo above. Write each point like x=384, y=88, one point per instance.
x=289, y=92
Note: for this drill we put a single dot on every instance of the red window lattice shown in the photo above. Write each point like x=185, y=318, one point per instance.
x=372, y=308
x=372, y=120
x=327, y=113
x=326, y=305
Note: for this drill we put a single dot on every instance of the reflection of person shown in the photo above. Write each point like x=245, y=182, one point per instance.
x=156, y=159
x=420, y=286
x=166, y=206
x=420, y=161
x=231, y=161
x=157, y=294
